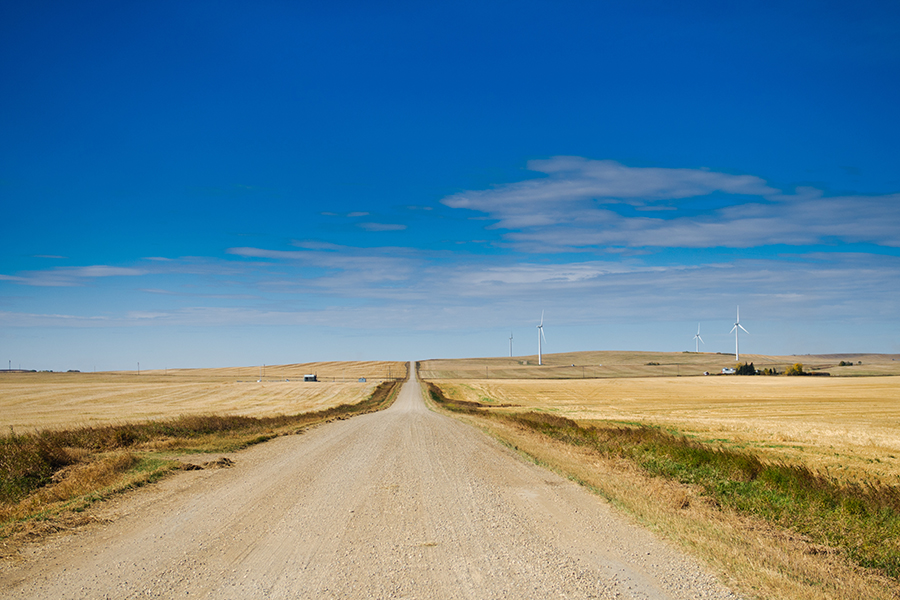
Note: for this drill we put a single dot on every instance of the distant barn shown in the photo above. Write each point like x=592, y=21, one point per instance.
x=362, y=379
x=310, y=378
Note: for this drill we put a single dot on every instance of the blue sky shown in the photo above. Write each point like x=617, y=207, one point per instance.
x=213, y=183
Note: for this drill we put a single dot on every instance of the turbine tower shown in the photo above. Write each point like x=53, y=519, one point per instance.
x=698, y=339
x=510, y=344
x=541, y=337
x=736, y=329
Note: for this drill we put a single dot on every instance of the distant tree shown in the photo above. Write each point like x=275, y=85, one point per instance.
x=746, y=369
x=797, y=369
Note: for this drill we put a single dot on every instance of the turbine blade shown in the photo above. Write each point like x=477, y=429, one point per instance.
x=701, y=339
x=542, y=317
x=742, y=327
x=733, y=328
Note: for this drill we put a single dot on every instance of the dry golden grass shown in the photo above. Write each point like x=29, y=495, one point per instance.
x=67, y=400
x=48, y=477
x=847, y=426
x=754, y=558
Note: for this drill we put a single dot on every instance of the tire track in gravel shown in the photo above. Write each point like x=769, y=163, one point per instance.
x=402, y=503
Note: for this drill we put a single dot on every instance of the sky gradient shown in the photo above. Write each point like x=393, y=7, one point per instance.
x=192, y=184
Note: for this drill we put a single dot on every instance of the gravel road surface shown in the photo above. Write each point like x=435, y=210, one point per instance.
x=403, y=503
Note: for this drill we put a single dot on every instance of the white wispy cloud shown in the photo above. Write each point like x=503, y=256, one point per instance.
x=342, y=268
x=577, y=204
x=382, y=226
x=264, y=253
x=164, y=292
x=411, y=289
x=529, y=274
x=27, y=319
x=443, y=285
x=70, y=276
x=317, y=245
x=352, y=215
x=429, y=294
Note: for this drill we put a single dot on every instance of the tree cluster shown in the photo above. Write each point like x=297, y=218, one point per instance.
x=746, y=369
x=797, y=369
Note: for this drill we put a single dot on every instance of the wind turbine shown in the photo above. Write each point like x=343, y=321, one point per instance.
x=541, y=337
x=698, y=339
x=510, y=344
x=735, y=329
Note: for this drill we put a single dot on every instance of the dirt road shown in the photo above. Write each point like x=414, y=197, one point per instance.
x=403, y=503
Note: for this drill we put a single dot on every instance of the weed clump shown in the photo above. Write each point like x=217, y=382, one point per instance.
x=461, y=406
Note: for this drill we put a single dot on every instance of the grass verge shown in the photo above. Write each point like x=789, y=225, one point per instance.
x=48, y=477
x=779, y=530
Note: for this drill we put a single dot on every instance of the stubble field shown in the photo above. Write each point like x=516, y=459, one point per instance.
x=849, y=427
x=615, y=364
x=847, y=424
x=30, y=401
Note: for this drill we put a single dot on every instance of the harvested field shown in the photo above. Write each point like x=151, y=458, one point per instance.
x=847, y=427
x=615, y=364
x=31, y=401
